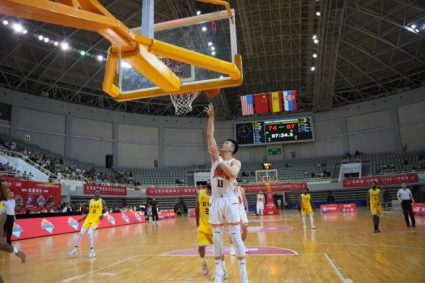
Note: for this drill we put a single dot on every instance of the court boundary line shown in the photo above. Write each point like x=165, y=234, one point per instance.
x=337, y=271
x=70, y=279
x=249, y=255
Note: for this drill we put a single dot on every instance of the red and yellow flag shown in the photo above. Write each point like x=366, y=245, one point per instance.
x=276, y=102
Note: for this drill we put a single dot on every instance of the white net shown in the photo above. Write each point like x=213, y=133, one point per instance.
x=266, y=176
x=183, y=102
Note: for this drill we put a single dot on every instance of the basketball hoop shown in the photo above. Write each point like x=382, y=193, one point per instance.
x=183, y=102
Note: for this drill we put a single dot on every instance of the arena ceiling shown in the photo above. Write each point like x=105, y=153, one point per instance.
x=366, y=49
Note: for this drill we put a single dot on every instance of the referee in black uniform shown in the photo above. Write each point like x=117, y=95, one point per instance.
x=405, y=197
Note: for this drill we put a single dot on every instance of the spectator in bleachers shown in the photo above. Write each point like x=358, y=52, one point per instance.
x=357, y=154
x=347, y=155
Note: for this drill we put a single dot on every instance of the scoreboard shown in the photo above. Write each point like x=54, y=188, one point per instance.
x=289, y=130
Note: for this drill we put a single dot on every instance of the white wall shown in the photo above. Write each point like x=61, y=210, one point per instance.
x=412, y=125
x=88, y=150
x=138, y=145
x=47, y=130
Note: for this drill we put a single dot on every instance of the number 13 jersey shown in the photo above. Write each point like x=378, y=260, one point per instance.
x=222, y=185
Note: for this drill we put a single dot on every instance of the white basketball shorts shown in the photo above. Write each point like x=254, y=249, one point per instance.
x=244, y=217
x=224, y=210
x=260, y=205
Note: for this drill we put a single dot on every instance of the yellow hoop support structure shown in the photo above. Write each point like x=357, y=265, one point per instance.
x=139, y=51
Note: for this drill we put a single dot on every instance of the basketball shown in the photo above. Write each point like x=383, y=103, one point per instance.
x=212, y=92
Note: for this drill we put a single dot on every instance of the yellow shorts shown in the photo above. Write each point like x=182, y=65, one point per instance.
x=306, y=211
x=90, y=224
x=375, y=209
x=204, y=239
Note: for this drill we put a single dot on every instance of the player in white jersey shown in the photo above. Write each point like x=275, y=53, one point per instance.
x=224, y=204
x=260, y=203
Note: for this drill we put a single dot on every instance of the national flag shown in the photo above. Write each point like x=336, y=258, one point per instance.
x=276, y=102
x=261, y=103
x=290, y=100
x=247, y=103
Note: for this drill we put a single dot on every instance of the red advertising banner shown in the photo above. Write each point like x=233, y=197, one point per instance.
x=191, y=212
x=178, y=191
x=329, y=208
x=336, y=208
x=347, y=208
x=105, y=190
x=418, y=209
x=36, y=196
x=190, y=191
x=166, y=214
x=39, y=227
x=410, y=178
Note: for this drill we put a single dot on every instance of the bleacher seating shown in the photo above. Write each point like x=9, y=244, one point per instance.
x=309, y=169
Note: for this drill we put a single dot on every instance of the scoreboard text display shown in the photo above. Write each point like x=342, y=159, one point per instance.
x=289, y=130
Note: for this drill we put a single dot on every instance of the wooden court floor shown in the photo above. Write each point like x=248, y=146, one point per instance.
x=341, y=249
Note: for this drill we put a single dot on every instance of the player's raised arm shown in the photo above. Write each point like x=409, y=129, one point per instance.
x=212, y=145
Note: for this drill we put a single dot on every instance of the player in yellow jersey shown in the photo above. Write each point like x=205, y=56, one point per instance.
x=306, y=206
x=374, y=198
x=205, y=233
x=91, y=221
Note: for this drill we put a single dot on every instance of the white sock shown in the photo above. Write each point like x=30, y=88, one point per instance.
x=311, y=220
x=91, y=238
x=303, y=218
x=218, y=266
x=80, y=235
x=242, y=265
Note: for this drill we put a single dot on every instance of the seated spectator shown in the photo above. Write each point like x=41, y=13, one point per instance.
x=357, y=154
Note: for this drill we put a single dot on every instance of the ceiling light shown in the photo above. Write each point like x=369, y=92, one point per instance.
x=56, y=43
x=64, y=45
x=212, y=48
x=99, y=58
x=318, y=13
x=204, y=28
x=313, y=68
x=125, y=65
x=198, y=13
x=314, y=36
x=210, y=43
x=413, y=26
x=17, y=27
x=40, y=37
x=314, y=55
x=24, y=31
x=213, y=53
x=46, y=39
x=83, y=53
x=5, y=22
x=417, y=30
x=316, y=41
